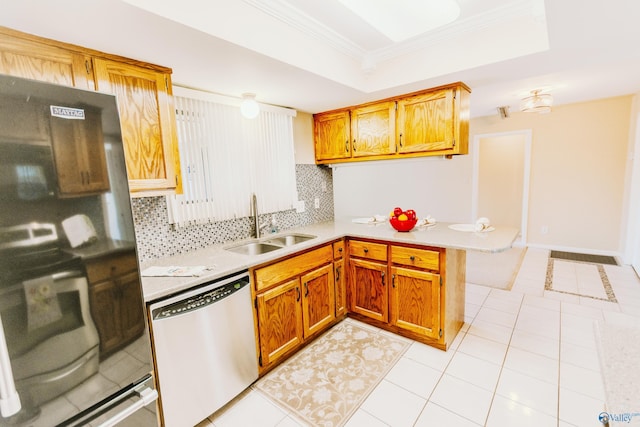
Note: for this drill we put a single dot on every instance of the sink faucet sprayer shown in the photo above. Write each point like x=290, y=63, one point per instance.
x=256, y=220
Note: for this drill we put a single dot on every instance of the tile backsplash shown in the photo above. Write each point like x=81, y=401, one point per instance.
x=156, y=238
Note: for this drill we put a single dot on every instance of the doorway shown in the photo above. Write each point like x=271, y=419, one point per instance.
x=501, y=179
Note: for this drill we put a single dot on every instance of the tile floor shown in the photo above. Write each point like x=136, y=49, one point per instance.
x=524, y=357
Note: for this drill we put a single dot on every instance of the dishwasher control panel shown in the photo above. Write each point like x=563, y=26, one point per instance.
x=204, y=298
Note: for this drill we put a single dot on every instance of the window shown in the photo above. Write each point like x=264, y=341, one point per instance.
x=225, y=158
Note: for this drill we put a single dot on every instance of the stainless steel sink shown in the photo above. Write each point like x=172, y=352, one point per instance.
x=290, y=239
x=253, y=248
x=269, y=244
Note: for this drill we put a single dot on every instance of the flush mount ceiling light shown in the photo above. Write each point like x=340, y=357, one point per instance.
x=537, y=103
x=402, y=19
x=249, y=107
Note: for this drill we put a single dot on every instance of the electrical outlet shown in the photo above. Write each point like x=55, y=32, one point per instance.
x=300, y=207
x=323, y=185
x=316, y=203
x=544, y=229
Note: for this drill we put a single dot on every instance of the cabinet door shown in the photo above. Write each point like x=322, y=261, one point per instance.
x=279, y=320
x=415, y=301
x=146, y=118
x=425, y=122
x=105, y=310
x=318, y=302
x=332, y=135
x=373, y=130
x=341, y=294
x=38, y=61
x=131, y=306
x=368, y=291
x=79, y=154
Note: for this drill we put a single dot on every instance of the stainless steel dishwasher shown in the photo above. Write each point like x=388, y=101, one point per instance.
x=205, y=348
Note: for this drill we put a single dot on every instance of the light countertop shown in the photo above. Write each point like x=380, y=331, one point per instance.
x=221, y=262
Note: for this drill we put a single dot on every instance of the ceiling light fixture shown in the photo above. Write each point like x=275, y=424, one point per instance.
x=537, y=102
x=403, y=19
x=249, y=107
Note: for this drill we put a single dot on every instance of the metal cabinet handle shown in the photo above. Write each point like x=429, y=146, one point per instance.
x=354, y=145
x=400, y=140
x=412, y=258
x=393, y=280
x=340, y=250
x=337, y=274
x=346, y=146
x=306, y=289
x=366, y=250
x=298, y=291
x=383, y=279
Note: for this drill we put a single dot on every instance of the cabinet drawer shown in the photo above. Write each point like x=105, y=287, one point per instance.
x=280, y=271
x=377, y=251
x=338, y=249
x=421, y=258
x=110, y=266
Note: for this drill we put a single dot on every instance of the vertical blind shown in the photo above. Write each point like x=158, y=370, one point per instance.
x=226, y=158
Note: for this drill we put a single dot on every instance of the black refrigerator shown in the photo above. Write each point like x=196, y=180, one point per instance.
x=74, y=339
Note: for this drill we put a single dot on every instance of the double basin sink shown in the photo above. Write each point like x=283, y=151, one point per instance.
x=269, y=244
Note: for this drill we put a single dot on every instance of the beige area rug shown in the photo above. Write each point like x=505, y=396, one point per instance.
x=619, y=351
x=326, y=382
x=497, y=270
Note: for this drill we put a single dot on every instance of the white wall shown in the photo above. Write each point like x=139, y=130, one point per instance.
x=431, y=186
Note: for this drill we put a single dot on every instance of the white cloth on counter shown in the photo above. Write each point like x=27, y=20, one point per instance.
x=426, y=222
x=175, y=271
x=43, y=306
x=483, y=224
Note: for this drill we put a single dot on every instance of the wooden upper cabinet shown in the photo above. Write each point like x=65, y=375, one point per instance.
x=145, y=100
x=332, y=135
x=31, y=59
x=373, y=130
x=425, y=122
x=146, y=119
x=78, y=148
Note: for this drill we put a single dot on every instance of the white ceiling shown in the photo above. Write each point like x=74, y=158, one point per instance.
x=316, y=55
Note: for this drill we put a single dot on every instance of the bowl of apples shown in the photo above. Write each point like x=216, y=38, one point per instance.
x=403, y=220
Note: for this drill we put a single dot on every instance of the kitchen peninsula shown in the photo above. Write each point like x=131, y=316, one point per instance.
x=410, y=283
x=221, y=262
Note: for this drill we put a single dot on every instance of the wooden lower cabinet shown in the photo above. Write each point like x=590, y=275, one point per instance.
x=115, y=300
x=291, y=310
x=413, y=291
x=279, y=321
x=415, y=301
x=339, y=275
x=341, y=291
x=318, y=300
x=368, y=296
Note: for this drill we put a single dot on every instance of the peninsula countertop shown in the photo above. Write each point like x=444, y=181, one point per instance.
x=221, y=262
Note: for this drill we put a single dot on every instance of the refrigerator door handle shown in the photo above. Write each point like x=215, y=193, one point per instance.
x=147, y=395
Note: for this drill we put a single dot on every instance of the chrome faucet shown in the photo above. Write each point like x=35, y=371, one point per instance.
x=256, y=218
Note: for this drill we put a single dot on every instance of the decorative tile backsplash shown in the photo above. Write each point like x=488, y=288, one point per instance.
x=156, y=238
